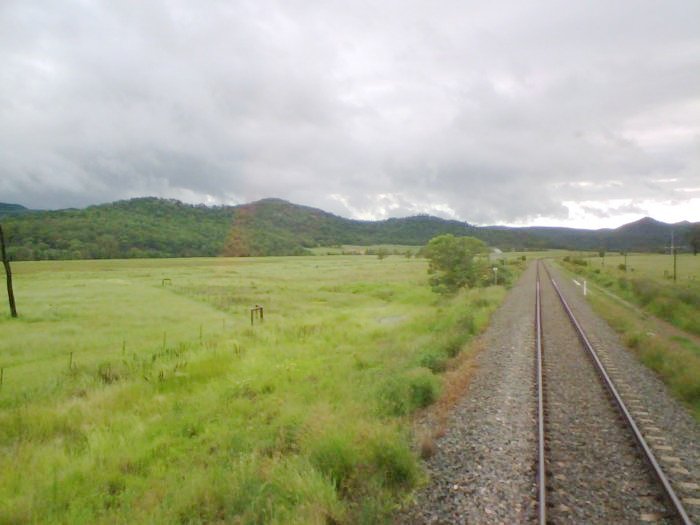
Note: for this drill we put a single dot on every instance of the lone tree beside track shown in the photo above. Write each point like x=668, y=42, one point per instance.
x=452, y=262
x=8, y=274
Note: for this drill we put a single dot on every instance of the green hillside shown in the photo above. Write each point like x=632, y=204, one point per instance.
x=276, y=227
x=152, y=227
x=11, y=209
x=644, y=235
x=144, y=227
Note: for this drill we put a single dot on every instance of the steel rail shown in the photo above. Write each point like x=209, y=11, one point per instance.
x=670, y=494
x=541, y=472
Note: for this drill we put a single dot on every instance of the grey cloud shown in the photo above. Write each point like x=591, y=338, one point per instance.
x=615, y=210
x=485, y=112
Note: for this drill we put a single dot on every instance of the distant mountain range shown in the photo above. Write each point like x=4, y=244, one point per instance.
x=152, y=227
x=11, y=209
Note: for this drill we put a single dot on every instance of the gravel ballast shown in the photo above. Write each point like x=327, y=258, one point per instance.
x=483, y=469
x=596, y=474
x=664, y=422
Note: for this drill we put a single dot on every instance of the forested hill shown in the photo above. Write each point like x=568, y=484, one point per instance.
x=143, y=227
x=644, y=235
x=152, y=227
x=274, y=227
x=11, y=209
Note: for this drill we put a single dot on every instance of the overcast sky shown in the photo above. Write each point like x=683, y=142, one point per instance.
x=582, y=113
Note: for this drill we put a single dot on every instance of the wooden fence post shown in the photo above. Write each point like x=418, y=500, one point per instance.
x=8, y=274
x=256, y=311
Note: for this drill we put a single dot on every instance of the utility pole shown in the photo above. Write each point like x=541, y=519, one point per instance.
x=673, y=251
x=8, y=274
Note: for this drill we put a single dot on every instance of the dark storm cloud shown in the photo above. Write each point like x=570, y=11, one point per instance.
x=506, y=112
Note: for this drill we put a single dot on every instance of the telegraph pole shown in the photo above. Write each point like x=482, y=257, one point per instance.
x=8, y=274
x=673, y=251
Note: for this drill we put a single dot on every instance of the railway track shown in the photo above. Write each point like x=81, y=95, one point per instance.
x=593, y=463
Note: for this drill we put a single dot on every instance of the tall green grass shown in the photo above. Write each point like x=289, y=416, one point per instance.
x=675, y=358
x=646, y=281
x=124, y=400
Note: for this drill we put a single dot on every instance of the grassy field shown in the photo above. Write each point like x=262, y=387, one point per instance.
x=645, y=292
x=352, y=249
x=647, y=280
x=129, y=400
x=653, y=266
x=401, y=249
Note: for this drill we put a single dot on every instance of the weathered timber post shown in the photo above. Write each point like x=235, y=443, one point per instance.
x=8, y=274
x=256, y=311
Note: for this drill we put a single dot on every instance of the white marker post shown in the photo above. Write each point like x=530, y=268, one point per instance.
x=495, y=275
x=584, y=288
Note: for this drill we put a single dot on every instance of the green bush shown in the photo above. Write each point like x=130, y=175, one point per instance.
x=395, y=463
x=480, y=302
x=401, y=395
x=505, y=276
x=454, y=343
x=633, y=340
x=676, y=370
x=646, y=290
x=688, y=386
x=393, y=397
x=689, y=297
x=453, y=263
x=663, y=307
x=466, y=323
x=335, y=457
x=434, y=359
x=424, y=387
